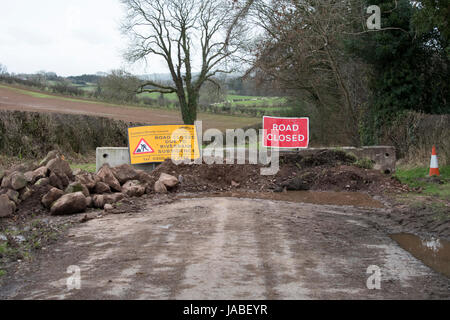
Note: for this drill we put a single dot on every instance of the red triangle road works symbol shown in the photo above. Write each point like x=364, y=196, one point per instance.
x=143, y=148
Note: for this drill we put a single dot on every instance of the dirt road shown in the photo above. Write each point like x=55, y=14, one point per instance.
x=228, y=248
x=23, y=100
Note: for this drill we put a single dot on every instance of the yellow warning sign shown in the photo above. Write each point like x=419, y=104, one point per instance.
x=158, y=143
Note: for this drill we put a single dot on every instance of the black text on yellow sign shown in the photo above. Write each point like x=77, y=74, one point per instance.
x=158, y=143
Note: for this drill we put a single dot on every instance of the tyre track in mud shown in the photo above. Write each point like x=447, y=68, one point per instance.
x=227, y=248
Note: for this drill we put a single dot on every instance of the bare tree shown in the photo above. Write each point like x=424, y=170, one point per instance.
x=302, y=49
x=188, y=34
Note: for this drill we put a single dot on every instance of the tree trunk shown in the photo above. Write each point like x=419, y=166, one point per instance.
x=189, y=108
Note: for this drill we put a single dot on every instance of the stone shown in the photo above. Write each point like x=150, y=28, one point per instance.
x=98, y=201
x=25, y=193
x=29, y=176
x=108, y=207
x=144, y=176
x=89, y=202
x=168, y=180
x=86, y=179
x=106, y=175
x=39, y=173
x=77, y=171
x=50, y=156
x=133, y=188
x=114, y=198
x=6, y=182
x=13, y=195
x=64, y=180
x=160, y=187
x=55, y=181
x=125, y=173
x=77, y=187
x=7, y=207
x=60, y=167
x=22, y=167
x=295, y=184
x=42, y=182
x=51, y=196
x=18, y=181
x=101, y=187
x=69, y=204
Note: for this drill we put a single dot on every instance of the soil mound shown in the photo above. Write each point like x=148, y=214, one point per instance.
x=325, y=171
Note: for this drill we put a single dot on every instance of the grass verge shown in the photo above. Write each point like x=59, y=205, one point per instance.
x=89, y=167
x=418, y=178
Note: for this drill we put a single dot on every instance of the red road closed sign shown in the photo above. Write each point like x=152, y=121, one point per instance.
x=286, y=132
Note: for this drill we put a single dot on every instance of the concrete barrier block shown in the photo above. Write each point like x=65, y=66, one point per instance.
x=118, y=156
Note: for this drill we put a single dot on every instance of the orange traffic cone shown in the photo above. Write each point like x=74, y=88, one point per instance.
x=434, y=167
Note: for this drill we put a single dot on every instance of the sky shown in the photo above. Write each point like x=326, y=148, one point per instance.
x=69, y=37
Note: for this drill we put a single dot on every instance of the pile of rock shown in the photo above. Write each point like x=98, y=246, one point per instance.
x=71, y=192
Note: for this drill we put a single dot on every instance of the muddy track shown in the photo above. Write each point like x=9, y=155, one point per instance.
x=228, y=248
x=14, y=100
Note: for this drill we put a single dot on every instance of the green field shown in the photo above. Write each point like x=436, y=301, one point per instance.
x=265, y=104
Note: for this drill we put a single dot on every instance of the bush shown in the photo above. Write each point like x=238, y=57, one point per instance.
x=32, y=135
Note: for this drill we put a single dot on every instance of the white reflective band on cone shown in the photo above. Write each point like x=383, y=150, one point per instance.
x=434, y=162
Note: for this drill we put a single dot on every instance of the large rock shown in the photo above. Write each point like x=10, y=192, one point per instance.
x=101, y=187
x=7, y=207
x=6, y=182
x=59, y=167
x=18, y=180
x=133, y=188
x=86, y=179
x=25, y=193
x=77, y=187
x=39, y=173
x=160, y=187
x=29, y=176
x=51, y=196
x=50, y=156
x=64, y=180
x=144, y=176
x=55, y=181
x=33, y=176
x=13, y=195
x=89, y=202
x=106, y=175
x=22, y=167
x=69, y=204
x=125, y=173
x=42, y=182
x=168, y=180
x=114, y=198
x=99, y=200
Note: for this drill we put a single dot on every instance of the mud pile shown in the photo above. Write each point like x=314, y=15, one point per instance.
x=330, y=170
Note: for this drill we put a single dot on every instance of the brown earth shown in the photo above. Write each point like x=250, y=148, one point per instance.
x=325, y=171
x=11, y=99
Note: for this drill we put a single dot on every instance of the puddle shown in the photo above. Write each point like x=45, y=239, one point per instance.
x=316, y=197
x=433, y=252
